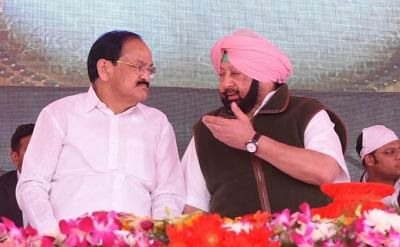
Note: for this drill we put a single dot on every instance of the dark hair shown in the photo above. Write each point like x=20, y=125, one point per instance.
x=107, y=46
x=359, y=147
x=359, y=143
x=21, y=131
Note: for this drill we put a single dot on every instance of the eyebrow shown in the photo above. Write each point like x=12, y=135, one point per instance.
x=141, y=62
x=137, y=61
x=232, y=70
x=389, y=149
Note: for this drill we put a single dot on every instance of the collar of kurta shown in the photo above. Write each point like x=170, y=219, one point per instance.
x=92, y=101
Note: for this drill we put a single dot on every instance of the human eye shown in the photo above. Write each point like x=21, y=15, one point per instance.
x=140, y=67
x=135, y=66
x=152, y=70
x=234, y=71
x=236, y=74
x=389, y=152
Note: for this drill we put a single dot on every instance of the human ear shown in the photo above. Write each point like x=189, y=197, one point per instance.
x=14, y=156
x=104, y=69
x=369, y=160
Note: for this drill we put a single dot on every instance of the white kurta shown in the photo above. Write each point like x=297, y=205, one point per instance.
x=84, y=158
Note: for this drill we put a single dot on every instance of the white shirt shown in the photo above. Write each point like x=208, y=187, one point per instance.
x=83, y=158
x=319, y=136
x=24, y=220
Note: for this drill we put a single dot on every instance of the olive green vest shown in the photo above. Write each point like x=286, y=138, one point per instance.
x=228, y=172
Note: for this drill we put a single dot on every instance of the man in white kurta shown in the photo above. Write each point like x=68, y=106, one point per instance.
x=104, y=149
x=379, y=149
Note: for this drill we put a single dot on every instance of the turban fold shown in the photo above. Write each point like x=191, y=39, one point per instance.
x=252, y=55
x=375, y=137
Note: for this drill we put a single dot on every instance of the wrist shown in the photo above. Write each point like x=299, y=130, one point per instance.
x=252, y=145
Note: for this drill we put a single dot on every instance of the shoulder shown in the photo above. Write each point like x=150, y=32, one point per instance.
x=305, y=101
x=152, y=113
x=304, y=106
x=8, y=177
x=57, y=114
x=59, y=110
x=66, y=103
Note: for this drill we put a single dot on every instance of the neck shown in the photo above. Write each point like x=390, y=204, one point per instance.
x=115, y=103
x=371, y=177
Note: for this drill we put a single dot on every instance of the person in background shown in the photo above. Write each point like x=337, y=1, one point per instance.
x=8, y=181
x=379, y=149
x=263, y=149
x=104, y=149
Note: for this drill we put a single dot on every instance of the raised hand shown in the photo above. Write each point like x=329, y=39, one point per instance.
x=233, y=132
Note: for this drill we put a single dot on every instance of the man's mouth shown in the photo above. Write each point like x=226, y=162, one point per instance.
x=231, y=95
x=144, y=83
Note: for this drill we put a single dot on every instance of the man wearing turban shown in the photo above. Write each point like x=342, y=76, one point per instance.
x=264, y=149
x=379, y=149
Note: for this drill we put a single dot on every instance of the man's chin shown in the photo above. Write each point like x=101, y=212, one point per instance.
x=230, y=100
x=233, y=98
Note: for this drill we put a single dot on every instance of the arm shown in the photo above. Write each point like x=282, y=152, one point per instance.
x=303, y=164
x=170, y=188
x=393, y=200
x=307, y=165
x=39, y=165
x=197, y=195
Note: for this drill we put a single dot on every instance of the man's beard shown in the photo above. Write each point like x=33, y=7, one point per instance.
x=245, y=104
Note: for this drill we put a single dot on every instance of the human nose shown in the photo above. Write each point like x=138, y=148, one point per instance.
x=397, y=153
x=225, y=81
x=146, y=75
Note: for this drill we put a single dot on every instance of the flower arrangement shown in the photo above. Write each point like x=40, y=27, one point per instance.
x=97, y=229
x=375, y=227
x=368, y=226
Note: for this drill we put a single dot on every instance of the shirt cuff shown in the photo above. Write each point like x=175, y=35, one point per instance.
x=198, y=203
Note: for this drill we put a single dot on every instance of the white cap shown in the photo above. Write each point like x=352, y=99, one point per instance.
x=375, y=137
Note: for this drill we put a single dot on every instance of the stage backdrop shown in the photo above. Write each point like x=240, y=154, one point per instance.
x=336, y=45
x=185, y=106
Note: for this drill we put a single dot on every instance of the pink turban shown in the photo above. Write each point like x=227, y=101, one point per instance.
x=252, y=55
x=375, y=137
